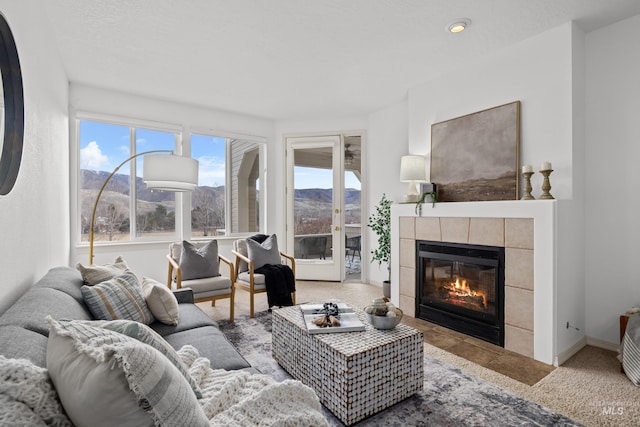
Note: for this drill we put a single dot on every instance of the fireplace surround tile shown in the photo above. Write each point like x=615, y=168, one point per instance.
x=407, y=282
x=518, y=270
x=518, y=340
x=519, y=233
x=518, y=309
x=408, y=305
x=455, y=230
x=407, y=253
x=407, y=227
x=428, y=228
x=486, y=231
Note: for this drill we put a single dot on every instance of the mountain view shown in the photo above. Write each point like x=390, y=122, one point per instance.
x=156, y=209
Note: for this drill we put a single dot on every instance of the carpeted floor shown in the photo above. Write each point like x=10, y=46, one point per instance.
x=450, y=397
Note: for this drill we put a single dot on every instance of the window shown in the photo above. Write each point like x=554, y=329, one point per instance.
x=227, y=200
x=103, y=146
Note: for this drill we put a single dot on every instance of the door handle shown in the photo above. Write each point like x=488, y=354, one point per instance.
x=337, y=228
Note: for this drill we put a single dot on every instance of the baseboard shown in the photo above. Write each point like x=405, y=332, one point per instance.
x=596, y=342
x=568, y=353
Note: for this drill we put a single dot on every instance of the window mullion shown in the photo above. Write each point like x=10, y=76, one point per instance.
x=133, y=199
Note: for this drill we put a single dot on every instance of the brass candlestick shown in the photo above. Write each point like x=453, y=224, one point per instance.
x=527, y=186
x=546, y=185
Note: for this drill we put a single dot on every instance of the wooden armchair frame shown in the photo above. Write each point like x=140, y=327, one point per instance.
x=251, y=287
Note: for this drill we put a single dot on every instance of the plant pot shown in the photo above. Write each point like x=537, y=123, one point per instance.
x=386, y=288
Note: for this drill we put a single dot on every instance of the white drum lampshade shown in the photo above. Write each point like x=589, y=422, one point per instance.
x=413, y=171
x=170, y=172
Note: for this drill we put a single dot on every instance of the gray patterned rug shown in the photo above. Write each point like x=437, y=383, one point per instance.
x=450, y=397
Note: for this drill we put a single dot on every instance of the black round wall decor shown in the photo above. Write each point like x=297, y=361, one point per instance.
x=13, y=109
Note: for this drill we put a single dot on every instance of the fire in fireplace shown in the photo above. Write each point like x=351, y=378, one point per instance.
x=461, y=287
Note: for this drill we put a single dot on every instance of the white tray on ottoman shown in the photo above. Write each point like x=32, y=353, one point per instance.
x=355, y=374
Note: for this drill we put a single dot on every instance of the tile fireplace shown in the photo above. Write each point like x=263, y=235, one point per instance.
x=525, y=232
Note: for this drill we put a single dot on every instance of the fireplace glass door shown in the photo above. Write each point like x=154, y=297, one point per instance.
x=461, y=287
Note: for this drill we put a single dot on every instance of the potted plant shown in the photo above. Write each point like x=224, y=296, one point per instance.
x=380, y=223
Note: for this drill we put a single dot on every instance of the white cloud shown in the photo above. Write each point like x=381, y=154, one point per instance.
x=211, y=171
x=91, y=157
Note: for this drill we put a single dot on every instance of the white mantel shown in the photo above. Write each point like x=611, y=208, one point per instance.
x=544, y=215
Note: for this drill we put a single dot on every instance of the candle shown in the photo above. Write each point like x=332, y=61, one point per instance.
x=545, y=166
x=527, y=168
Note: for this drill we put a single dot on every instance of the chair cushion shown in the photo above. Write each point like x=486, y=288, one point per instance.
x=264, y=253
x=94, y=274
x=106, y=378
x=199, y=286
x=161, y=301
x=199, y=263
x=258, y=280
x=118, y=298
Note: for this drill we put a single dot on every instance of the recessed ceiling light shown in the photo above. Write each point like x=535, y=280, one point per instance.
x=458, y=25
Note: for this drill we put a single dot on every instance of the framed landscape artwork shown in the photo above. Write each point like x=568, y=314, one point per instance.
x=476, y=157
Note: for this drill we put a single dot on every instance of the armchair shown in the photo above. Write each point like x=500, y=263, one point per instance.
x=245, y=276
x=198, y=267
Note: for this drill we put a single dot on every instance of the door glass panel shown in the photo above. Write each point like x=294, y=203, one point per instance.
x=313, y=203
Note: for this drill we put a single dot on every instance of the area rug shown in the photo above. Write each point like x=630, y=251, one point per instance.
x=450, y=397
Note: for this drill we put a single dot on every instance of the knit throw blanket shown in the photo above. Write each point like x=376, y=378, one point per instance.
x=239, y=398
x=230, y=398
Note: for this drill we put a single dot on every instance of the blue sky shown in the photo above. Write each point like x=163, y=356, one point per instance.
x=103, y=146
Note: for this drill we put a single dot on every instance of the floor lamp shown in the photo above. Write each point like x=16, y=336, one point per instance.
x=160, y=172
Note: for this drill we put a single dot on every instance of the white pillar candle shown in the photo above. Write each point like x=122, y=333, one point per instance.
x=545, y=166
x=527, y=168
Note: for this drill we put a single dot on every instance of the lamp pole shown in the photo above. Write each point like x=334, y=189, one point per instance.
x=104, y=184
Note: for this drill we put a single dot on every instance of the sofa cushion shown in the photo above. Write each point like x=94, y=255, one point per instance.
x=212, y=344
x=198, y=263
x=191, y=317
x=31, y=310
x=63, y=279
x=264, y=253
x=20, y=343
x=118, y=298
x=94, y=274
x=161, y=301
x=109, y=381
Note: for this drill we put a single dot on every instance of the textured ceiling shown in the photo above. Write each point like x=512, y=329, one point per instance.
x=295, y=59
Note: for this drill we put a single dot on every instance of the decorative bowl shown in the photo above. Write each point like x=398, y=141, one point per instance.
x=384, y=322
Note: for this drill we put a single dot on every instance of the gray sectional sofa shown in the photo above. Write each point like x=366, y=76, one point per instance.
x=24, y=328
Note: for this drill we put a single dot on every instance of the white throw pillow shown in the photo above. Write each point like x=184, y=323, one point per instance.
x=264, y=253
x=161, y=301
x=94, y=274
x=105, y=380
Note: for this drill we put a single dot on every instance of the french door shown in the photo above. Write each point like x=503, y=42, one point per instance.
x=315, y=222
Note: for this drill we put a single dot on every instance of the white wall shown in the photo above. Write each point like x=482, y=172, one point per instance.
x=388, y=137
x=34, y=216
x=148, y=259
x=612, y=152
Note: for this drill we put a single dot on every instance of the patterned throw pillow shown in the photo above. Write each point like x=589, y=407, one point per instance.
x=161, y=301
x=118, y=298
x=105, y=378
x=264, y=253
x=94, y=274
x=134, y=330
x=199, y=263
